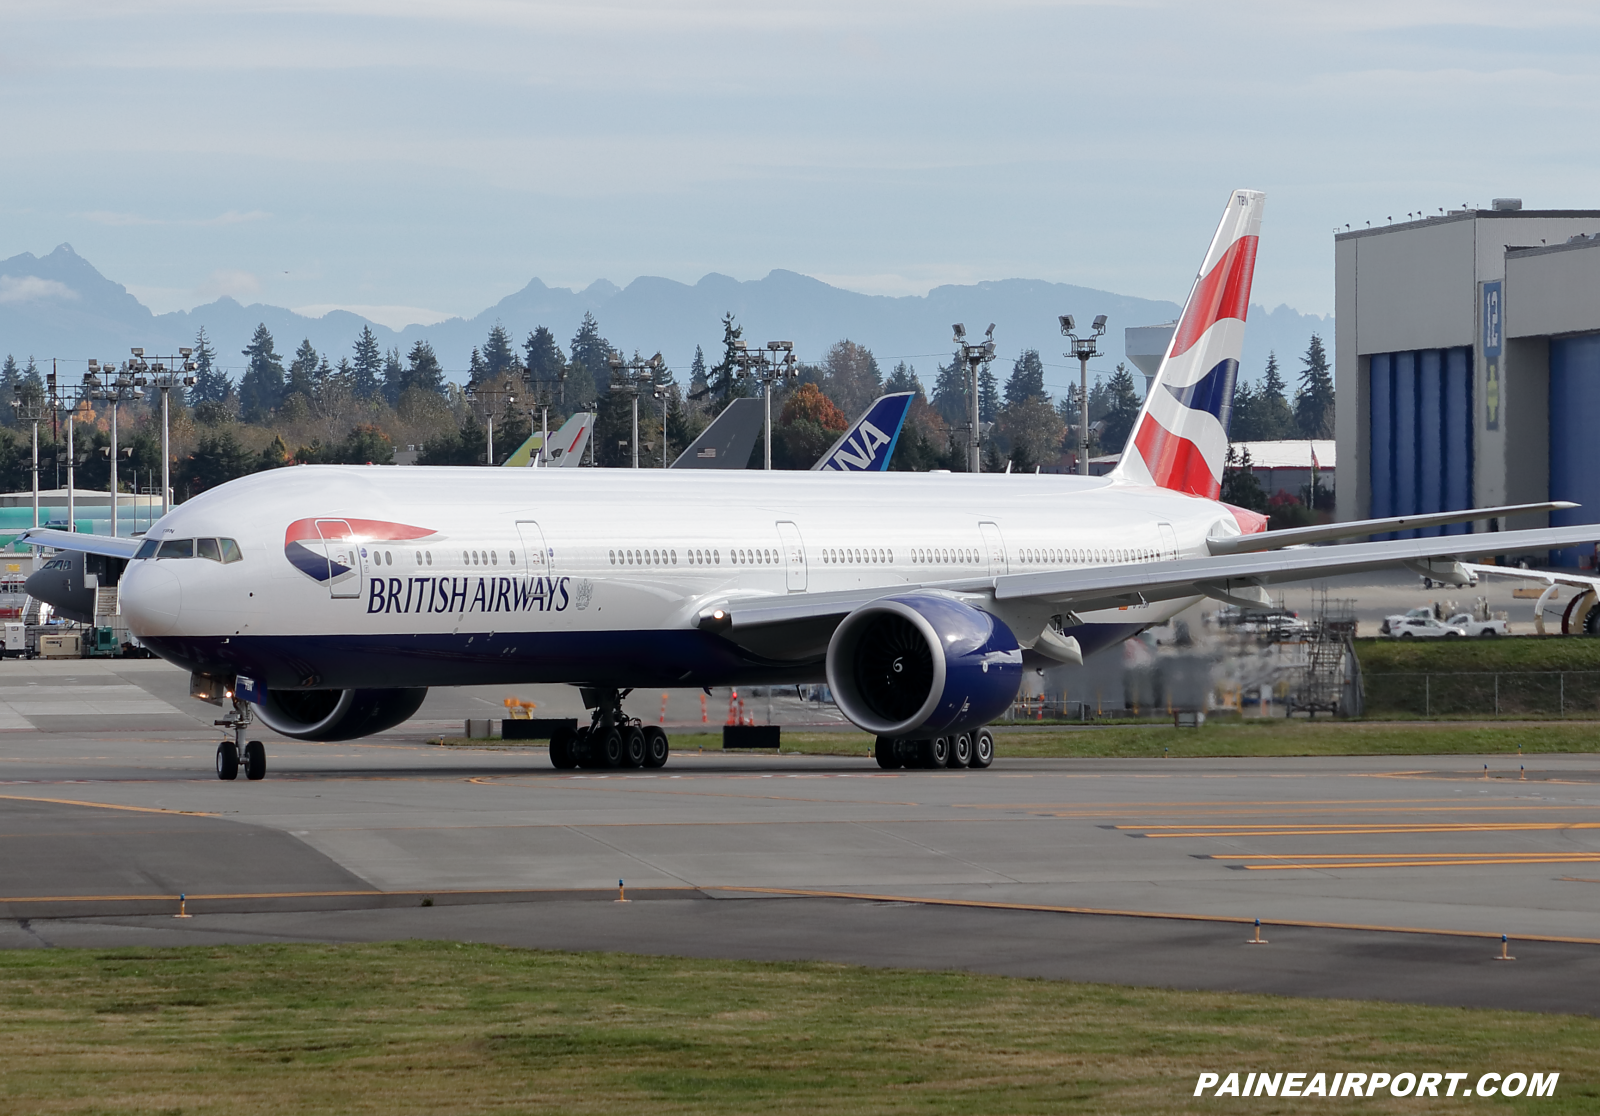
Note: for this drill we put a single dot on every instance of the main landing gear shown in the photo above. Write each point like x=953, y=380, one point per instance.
x=967, y=749
x=232, y=754
x=611, y=739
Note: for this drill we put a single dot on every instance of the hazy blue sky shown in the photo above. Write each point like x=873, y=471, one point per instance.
x=437, y=155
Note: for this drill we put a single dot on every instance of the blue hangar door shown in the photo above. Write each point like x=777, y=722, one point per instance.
x=1421, y=427
x=1574, y=459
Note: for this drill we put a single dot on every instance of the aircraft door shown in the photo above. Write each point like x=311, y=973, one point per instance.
x=1169, y=542
x=794, y=557
x=996, y=544
x=535, y=553
x=343, y=552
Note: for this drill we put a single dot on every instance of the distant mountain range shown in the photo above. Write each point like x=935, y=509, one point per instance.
x=60, y=306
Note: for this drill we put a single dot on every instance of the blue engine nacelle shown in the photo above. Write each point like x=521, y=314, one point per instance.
x=337, y=714
x=922, y=664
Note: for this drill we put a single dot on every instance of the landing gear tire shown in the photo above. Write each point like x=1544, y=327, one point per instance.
x=563, y=754
x=961, y=750
x=982, y=749
x=936, y=752
x=887, y=752
x=227, y=760
x=634, y=747
x=610, y=749
x=255, y=760
x=656, y=747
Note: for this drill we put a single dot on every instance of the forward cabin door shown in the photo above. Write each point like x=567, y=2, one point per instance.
x=794, y=557
x=996, y=545
x=535, y=557
x=1169, y=542
x=344, y=557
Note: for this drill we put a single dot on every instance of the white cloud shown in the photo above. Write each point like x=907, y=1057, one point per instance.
x=234, y=284
x=30, y=288
x=395, y=317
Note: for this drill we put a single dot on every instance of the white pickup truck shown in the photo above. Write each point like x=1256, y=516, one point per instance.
x=1490, y=628
x=1422, y=627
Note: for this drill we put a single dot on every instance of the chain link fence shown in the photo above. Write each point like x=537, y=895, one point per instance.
x=1564, y=693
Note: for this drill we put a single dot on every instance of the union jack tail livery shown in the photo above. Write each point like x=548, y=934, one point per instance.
x=1180, y=440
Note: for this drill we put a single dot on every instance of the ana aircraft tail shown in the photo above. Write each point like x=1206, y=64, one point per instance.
x=869, y=443
x=1180, y=440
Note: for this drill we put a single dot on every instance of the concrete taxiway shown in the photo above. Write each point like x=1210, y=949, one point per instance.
x=1382, y=877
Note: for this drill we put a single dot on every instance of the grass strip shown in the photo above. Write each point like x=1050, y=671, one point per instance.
x=443, y=1028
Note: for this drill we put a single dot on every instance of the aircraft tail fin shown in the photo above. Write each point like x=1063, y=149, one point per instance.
x=869, y=443
x=565, y=448
x=728, y=441
x=1180, y=439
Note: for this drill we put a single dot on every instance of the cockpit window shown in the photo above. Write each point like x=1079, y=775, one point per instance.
x=176, y=548
x=207, y=548
x=147, y=549
x=231, y=551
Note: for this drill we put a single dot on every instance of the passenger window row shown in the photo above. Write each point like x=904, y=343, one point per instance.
x=857, y=556
x=218, y=550
x=945, y=556
x=644, y=557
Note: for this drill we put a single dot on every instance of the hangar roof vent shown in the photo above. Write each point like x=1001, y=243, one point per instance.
x=1507, y=205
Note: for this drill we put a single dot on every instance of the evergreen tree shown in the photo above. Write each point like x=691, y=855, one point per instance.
x=1121, y=409
x=1026, y=380
x=261, y=389
x=547, y=365
x=903, y=378
x=1245, y=414
x=218, y=458
x=850, y=377
x=1273, y=419
x=950, y=393
x=367, y=365
x=724, y=383
x=10, y=381
x=499, y=354
x=1313, y=403
x=988, y=395
x=1240, y=486
x=697, y=374
x=394, y=377
x=588, y=367
x=423, y=370
x=303, y=371
x=211, y=384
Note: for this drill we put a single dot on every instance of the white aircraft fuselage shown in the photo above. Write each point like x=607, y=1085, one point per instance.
x=364, y=576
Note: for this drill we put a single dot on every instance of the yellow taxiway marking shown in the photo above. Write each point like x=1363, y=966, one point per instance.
x=1333, y=830
x=1176, y=915
x=1332, y=861
x=106, y=805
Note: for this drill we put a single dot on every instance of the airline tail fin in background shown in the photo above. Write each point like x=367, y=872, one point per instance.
x=728, y=441
x=1180, y=440
x=566, y=445
x=869, y=443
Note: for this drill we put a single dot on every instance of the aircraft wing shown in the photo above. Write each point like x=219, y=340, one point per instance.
x=83, y=543
x=869, y=443
x=1029, y=601
x=727, y=442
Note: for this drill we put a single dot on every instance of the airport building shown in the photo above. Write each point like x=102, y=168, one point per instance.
x=1467, y=366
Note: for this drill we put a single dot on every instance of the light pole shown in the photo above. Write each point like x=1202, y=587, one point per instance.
x=1084, y=349
x=30, y=408
x=489, y=396
x=768, y=367
x=974, y=356
x=165, y=375
x=627, y=377
x=113, y=391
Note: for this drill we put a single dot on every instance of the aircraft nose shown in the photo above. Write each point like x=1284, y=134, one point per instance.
x=151, y=599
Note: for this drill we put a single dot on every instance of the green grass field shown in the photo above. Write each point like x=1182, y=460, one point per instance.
x=1522, y=653
x=440, y=1028
x=1266, y=737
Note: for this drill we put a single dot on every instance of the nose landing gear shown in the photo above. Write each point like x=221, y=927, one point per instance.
x=231, y=754
x=611, y=739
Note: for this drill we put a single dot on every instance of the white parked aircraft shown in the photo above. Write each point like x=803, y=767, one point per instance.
x=327, y=599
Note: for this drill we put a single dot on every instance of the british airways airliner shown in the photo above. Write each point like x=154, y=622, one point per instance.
x=325, y=600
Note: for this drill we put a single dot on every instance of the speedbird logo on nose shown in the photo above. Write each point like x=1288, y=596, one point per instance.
x=327, y=549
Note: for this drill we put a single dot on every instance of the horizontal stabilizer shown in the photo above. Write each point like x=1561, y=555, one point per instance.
x=82, y=543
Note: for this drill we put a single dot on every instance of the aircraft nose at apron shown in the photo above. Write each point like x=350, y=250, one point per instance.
x=151, y=599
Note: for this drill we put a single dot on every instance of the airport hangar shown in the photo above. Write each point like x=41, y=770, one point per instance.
x=1467, y=366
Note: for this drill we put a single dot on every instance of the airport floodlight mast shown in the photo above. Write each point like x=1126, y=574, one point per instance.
x=490, y=398
x=117, y=388
x=1084, y=349
x=770, y=365
x=165, y=373
x=31, y=407
x=974, y=356
x=629, y=377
